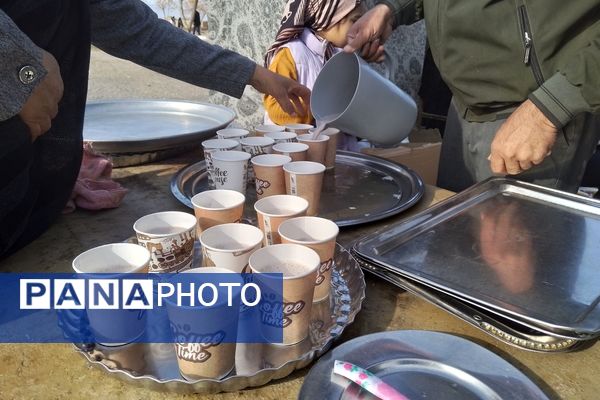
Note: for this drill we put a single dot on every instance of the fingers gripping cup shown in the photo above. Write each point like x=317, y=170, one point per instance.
x=114, y=327
x=230, y=246
x=296, y=151
x=319, y=234
x=169, y=236
x=305, y=179
x=299, y=265
x=274, y=210
x=206, y=335
x=268, y=172
x=213, y=145
x=216, y=207
x=230, y=170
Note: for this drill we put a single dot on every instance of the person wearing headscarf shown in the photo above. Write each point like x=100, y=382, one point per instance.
x=311, y=32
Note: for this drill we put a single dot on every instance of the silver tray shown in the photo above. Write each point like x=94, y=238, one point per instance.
x=141, y=126
x=360, y=189
x=524, y=252
x=421, y=364
x=256, y=364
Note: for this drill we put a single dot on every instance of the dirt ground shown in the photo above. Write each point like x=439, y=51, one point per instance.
x=113, y=78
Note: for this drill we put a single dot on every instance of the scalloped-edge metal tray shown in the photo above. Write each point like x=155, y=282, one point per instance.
x=360, y=189
x=154, y=366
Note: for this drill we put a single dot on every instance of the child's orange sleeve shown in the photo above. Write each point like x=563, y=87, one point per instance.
x=283, y=64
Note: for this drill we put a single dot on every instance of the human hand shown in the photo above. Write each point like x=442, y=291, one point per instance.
x=507, y=247
x=42, y=105
x=370, y=32
x=293, y=97
x=524, y=140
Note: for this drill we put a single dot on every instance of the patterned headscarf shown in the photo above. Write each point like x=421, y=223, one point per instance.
x=313, y=14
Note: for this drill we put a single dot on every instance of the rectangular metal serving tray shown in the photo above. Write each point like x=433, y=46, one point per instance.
x=524, y=252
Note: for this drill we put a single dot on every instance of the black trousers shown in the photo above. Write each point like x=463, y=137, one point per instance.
x=37, y=178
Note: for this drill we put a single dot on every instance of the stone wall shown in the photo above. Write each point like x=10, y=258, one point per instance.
x=249, y=27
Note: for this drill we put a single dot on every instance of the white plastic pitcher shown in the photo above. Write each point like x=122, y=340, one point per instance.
x=351, y=96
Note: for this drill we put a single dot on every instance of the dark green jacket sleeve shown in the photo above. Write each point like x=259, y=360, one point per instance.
x=406, y=12
x=575, y=87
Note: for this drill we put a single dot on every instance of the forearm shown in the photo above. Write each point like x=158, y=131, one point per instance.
x=405, y=12
x=17, y=52
x=129, y=29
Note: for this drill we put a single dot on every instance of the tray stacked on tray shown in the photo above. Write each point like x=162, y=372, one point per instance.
x=516, y=260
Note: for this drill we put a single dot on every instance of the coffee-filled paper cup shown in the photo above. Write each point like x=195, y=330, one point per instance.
x=268, y=173
x=305, y=179
x=282, y=137
x=216, y=207
x=317, y=148
x=230, y=246
x=262, y=130
x=299, y=129
x=319, y=234
x=274, y=210
x=202, y=347
x=296, y=151
x=169, y=236
x=236, y=134
x=299, y=265
x=114, y=327
x=230, y=170
x=213, y=145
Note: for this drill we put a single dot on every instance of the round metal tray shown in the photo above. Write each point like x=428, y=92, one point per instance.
x=155, y=366
x=360, y=189
x=141, y=126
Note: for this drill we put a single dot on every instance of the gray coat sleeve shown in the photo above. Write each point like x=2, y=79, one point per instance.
x=129, y=29
x=16, y=52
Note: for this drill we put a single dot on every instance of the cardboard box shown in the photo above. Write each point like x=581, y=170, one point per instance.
x=422, y=157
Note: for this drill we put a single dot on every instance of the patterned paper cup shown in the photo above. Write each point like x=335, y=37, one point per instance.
x=236, y=134
x=296, y=151
x=261, y=130
x=299, y=129
x=274, y=210
x=216, y=207
x=319, y=234
x=230, y=170
x=317, y=148
x=268, y=173
x=305, y=179
x=230, y=246
x=282, y=137
x=299, y=265
x=169, y=236
x=213, y=145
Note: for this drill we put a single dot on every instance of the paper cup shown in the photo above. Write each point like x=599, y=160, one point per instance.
x=274, y=210
x=296, y=151
x=257, y=145
x=213, y=357
x=216, y=207
x=317, y=148
x=299, y=129
x=233, y=134
x=213, y=145
x=305, y=179
x=268, y=174
x=299, y=265
x=261, y=130
x=169, y=236
x=114, y=327
x=282, y=137
x=230, y=170
x=230, y=246
x=319, y=234
x=334, y=135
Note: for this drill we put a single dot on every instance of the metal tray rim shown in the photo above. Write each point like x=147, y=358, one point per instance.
x=415, y=196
